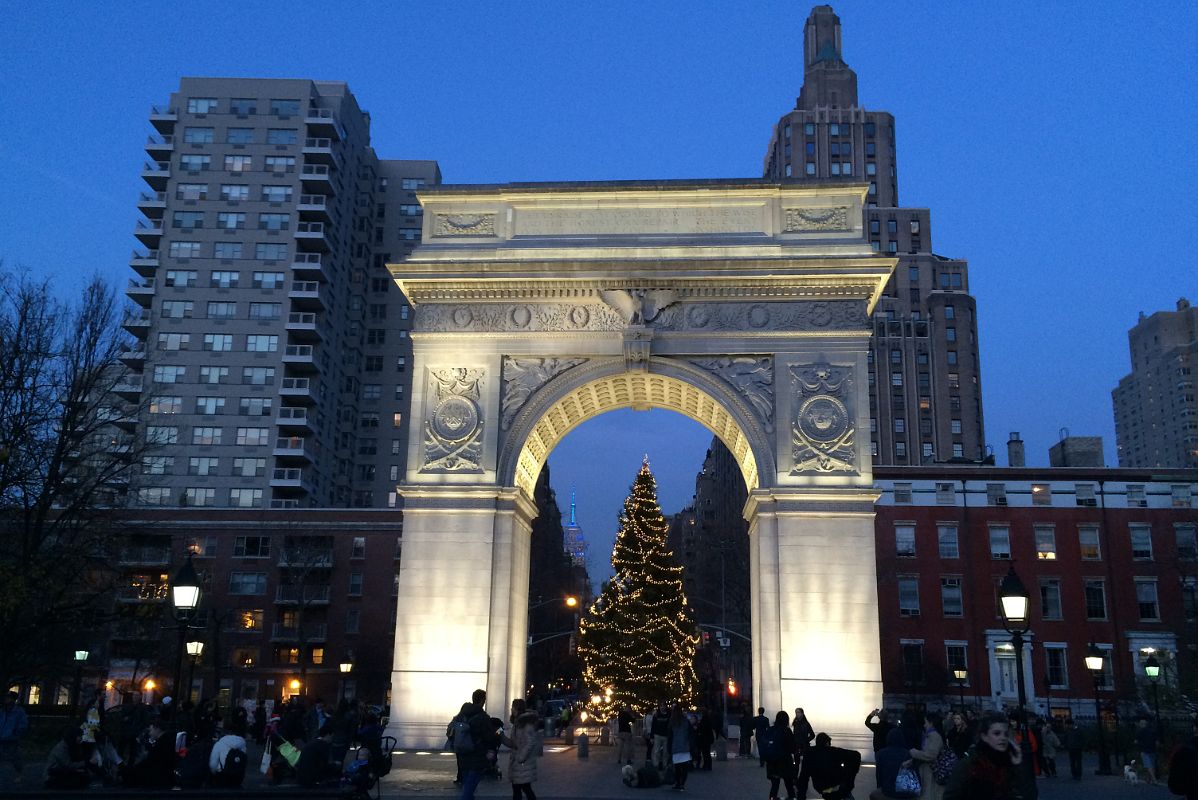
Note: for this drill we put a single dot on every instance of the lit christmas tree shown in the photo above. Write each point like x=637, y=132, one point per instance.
x=637, y=644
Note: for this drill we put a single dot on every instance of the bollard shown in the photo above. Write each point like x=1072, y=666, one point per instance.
x=569, y=734
x=721, y=749
x=584, y=745
x=605, y=735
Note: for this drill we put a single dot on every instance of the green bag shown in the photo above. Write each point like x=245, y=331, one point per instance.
x=289, y=752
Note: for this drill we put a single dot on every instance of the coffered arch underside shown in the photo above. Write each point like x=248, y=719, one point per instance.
x=558, y=409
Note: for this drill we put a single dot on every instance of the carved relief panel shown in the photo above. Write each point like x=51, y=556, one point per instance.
x=453, y=426
x=522, y=377
x=822, y=431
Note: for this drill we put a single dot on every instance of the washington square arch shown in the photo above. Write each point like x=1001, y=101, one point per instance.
x=743, y=305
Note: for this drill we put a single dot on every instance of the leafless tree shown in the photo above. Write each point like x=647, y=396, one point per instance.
x=64, y=466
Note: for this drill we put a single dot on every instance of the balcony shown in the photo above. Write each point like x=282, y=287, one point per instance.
x=306, y=295
x=292, y=447
x=304, y=326
x=150, y=555
x=309, y=265
x=307, y=595
x=317, y=178
x=134, y=356
x=303, y=556
x=319, y=150
x=129, y=387
x=289, y=478
x=156, y=174
x=142, y=592
x=321, y=122
x=293, y=417
x=137, y=324
x=144, y=264
x=301, y=357
x=152, y=205
x=160, y=148
x=313, y=632
x=163, y=118
x=314, y=207
x=141, y=292
x=118, y=417
x=149, y=233
x=298, y=390
x=312, y=236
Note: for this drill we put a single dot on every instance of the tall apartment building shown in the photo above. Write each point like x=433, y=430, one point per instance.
x=925, y=391
x=273, y=351
x=1156, y=406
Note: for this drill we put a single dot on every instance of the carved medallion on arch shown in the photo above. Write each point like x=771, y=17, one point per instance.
x=454, y=425
x=822, y=431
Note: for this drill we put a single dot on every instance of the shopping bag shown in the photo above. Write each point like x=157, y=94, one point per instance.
x=907, y=783
x=264, y=767
x=289, y=752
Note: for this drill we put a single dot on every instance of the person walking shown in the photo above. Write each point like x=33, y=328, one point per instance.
x=474, y=736
x=661, y=737
x=13, y=725
x=705, y=734
x=804, y=735
x=522, y=763
x=1075, y=744
x=746, y=732
x=991, y=770
x=1146, y=742
x=681, y=738
x=1049, y=744
x=761, y=724
x=776, y=745
x=958, y=736
x=931, y=742
x=624, y=722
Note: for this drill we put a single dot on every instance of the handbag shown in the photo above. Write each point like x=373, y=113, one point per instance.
x=289, y=752
x=942, y=767
x=906, y=783
x=264, y=767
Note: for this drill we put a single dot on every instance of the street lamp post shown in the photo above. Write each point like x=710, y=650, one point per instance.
x=195, y=649
x=346, y=668
x=1152, y=668
x=1015, y=603
x=961, y=674
x=185, y=597
x=569, y=601
x=1094, y=661
x=80, y=659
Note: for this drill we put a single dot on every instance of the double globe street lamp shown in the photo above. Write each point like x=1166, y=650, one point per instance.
x=185, y=598
x=1152, y=668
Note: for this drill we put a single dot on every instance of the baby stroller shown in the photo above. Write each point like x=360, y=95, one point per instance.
x=360, y=779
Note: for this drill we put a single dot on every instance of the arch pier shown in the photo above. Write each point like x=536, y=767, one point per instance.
x=743, y=305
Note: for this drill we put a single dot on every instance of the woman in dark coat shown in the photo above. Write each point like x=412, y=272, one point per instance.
x=780, y=755
x=992, y=770
x=706, y=736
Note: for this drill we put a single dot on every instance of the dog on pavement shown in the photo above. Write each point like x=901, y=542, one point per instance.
x=1129, y=772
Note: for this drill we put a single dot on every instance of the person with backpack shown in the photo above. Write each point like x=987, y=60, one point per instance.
x=831, y=770
x=226, y=762
x=776, y=746
x=525, y=745
x=924, y=756
x=473, y=737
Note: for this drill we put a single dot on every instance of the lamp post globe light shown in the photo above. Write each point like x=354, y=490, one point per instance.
x=185, y=597
x=1152, y=668
x=1015, y=602
x=961, y=675
x=195, y=649
x=1094, y=663
x=80, y=659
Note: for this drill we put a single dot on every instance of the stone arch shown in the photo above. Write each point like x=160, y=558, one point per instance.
x=586, y=391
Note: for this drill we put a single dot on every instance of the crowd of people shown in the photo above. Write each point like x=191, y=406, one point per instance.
x=166, y=745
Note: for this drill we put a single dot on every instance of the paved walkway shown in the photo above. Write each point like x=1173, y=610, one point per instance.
x=564, y=776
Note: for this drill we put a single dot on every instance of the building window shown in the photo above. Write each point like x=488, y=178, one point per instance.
x=213, y=374
x=206, y=405
x=247, y=583
x=201, y=105
x=235, y=192
x=166, y=404
x=249, y=467
x=1141, y=542
x=1146, y=600
x=1181, y=496
x=251, y=547
x=950, y=597
x=947, y=538
x=1046, y=542
x=1085, y=495
x=266, y=310
x=274, y=222
x=196, y=135
x=904, y=540
x=913, y=663
x=226, y=251
x=945, y=496
x=270, y=251
x=281, y=136
x=1187, y=541
x=261, y=343
x=1095, y=593
x=355, y=584
x=239, y=164
x=195, y=163
x=253, y=437
x=158, y=434
x=1136, y=497
x=996, y=494
x=1087, y=537
x=218, y=342
x=353, y=619
x=280, y=165
x=245, y=498
x=358, y=548
x=1057, y=674
x=239, y=135
x=1000, y=542
x=955, y=657
x=1189, y=598
x=908, y=587
x=202, y=465
x=1050, y=598
x=256, y=406
x=199, y=496
x=1041, y=494
x=902, y=493
x=184, y=250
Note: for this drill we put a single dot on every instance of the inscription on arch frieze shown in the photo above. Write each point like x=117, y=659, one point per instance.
x=821, y=425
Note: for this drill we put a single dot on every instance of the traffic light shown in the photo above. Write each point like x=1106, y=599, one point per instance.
x=731, y=687
x=706, y=638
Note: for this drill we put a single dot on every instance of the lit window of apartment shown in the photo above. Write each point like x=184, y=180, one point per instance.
x=165, y=404
x=1046, y=542
x=1087, y=538
x=1141, y=541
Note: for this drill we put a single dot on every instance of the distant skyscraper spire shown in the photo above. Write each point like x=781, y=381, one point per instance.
x=573, y=541
x=572, y=506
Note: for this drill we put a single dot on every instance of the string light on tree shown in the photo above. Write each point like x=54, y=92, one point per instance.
x=637, y=643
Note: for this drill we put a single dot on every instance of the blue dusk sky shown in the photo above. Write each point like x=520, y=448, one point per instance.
x=1052, y=141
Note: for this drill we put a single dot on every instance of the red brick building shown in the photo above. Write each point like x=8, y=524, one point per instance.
x=1108, y=556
